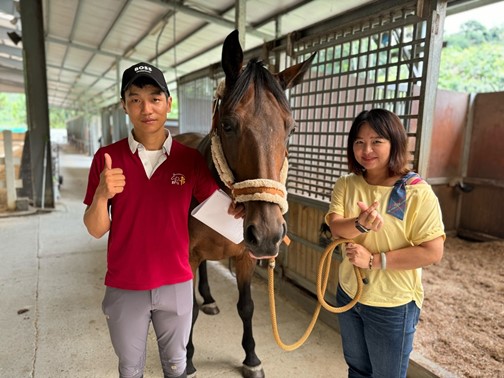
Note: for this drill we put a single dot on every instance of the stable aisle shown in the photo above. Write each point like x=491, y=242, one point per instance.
x=51, y=287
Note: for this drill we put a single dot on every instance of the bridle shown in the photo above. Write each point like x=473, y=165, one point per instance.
x=248, y=190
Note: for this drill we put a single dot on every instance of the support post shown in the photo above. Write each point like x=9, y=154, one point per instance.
x=10, y=176
x=37, y=108
x=435, y=10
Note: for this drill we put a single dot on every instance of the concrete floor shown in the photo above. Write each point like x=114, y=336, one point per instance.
x=51, y=287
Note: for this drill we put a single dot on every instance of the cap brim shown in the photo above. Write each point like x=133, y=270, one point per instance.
x=126, y=87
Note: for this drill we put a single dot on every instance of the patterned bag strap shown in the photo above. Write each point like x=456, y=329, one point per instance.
x=397, y=202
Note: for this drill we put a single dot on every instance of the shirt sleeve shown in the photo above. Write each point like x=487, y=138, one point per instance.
x=206, y=184
x=424, y=221
x=337, y=199
x=94, y=176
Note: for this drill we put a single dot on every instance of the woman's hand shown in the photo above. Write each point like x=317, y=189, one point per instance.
x=358, y=255
x=369, y=217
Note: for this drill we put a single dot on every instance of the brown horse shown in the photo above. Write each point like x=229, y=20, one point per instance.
x=251, y=125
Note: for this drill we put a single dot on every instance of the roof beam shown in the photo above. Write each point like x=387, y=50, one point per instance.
x=211, y=18
x=79, y=72
x=11, y=63
x=219, y=43
x=79, y=46
x=12, y=51
x=90, y=49
x=7, y=6
x=12, y=76
x=458, y=6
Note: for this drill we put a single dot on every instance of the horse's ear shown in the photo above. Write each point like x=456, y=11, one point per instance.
x=293, y=75
x=232, y=58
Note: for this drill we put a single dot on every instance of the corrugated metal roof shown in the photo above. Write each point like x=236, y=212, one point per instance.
x=90, y=42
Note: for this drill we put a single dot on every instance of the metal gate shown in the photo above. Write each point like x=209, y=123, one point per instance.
x=381, y=62
x=382, y=55
x=387, y=60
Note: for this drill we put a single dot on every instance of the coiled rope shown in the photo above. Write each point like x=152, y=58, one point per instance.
x=322, y=279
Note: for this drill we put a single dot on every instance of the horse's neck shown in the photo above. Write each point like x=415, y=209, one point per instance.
x=205, y=149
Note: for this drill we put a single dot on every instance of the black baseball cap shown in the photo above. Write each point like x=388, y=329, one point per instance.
x=146, y=70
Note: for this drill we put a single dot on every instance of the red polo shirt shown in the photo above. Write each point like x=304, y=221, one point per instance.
x=148, y=243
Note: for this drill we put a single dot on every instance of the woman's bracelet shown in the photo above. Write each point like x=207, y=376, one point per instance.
x=383, y=256
x=371, y=258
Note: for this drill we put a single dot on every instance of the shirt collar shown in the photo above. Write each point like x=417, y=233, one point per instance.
x=133, y=144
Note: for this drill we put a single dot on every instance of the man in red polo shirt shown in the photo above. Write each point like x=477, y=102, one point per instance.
x=140, y=189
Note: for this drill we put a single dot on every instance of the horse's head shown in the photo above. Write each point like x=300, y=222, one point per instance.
x=253, y=124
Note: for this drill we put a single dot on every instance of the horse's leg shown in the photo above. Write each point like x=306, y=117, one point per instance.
x=209, y=306
x=252, y=367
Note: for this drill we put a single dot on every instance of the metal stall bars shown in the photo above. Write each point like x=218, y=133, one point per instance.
x=384, y=57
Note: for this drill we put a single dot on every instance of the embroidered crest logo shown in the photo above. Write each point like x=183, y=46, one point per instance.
x=178, y=179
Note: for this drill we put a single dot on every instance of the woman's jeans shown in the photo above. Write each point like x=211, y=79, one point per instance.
x=377, y=341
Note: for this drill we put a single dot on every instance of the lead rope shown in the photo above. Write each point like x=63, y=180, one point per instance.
x=322, y=279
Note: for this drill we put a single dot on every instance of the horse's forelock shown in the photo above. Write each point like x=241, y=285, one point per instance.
x=263, y=79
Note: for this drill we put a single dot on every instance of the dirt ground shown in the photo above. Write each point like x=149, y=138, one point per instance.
x=462, y=321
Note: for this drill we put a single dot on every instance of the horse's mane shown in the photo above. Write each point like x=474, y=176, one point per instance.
x=263, y=79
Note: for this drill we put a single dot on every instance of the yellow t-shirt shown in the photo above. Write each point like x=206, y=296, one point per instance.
x=422, y=222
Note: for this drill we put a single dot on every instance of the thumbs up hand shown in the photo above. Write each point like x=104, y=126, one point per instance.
x=112, y=180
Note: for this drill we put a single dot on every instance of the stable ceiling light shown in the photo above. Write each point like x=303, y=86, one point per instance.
x=14, y=37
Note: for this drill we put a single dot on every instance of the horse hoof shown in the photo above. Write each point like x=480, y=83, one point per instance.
x=210, y=308
x=252, y=371
x=190, y=370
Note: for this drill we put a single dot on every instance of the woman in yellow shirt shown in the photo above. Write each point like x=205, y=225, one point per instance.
x=395, y=222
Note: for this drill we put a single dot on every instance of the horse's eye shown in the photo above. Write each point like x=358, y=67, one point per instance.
x=227, y=127
x=229, y=124
x=293, y=130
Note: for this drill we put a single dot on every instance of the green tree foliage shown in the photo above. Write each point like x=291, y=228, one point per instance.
x=3, y=100
x=473, y=60
x=58, y=117
x=13, y=113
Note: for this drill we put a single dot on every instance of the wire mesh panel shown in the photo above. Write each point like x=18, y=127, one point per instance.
x=374, y=62
x=195, y=102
